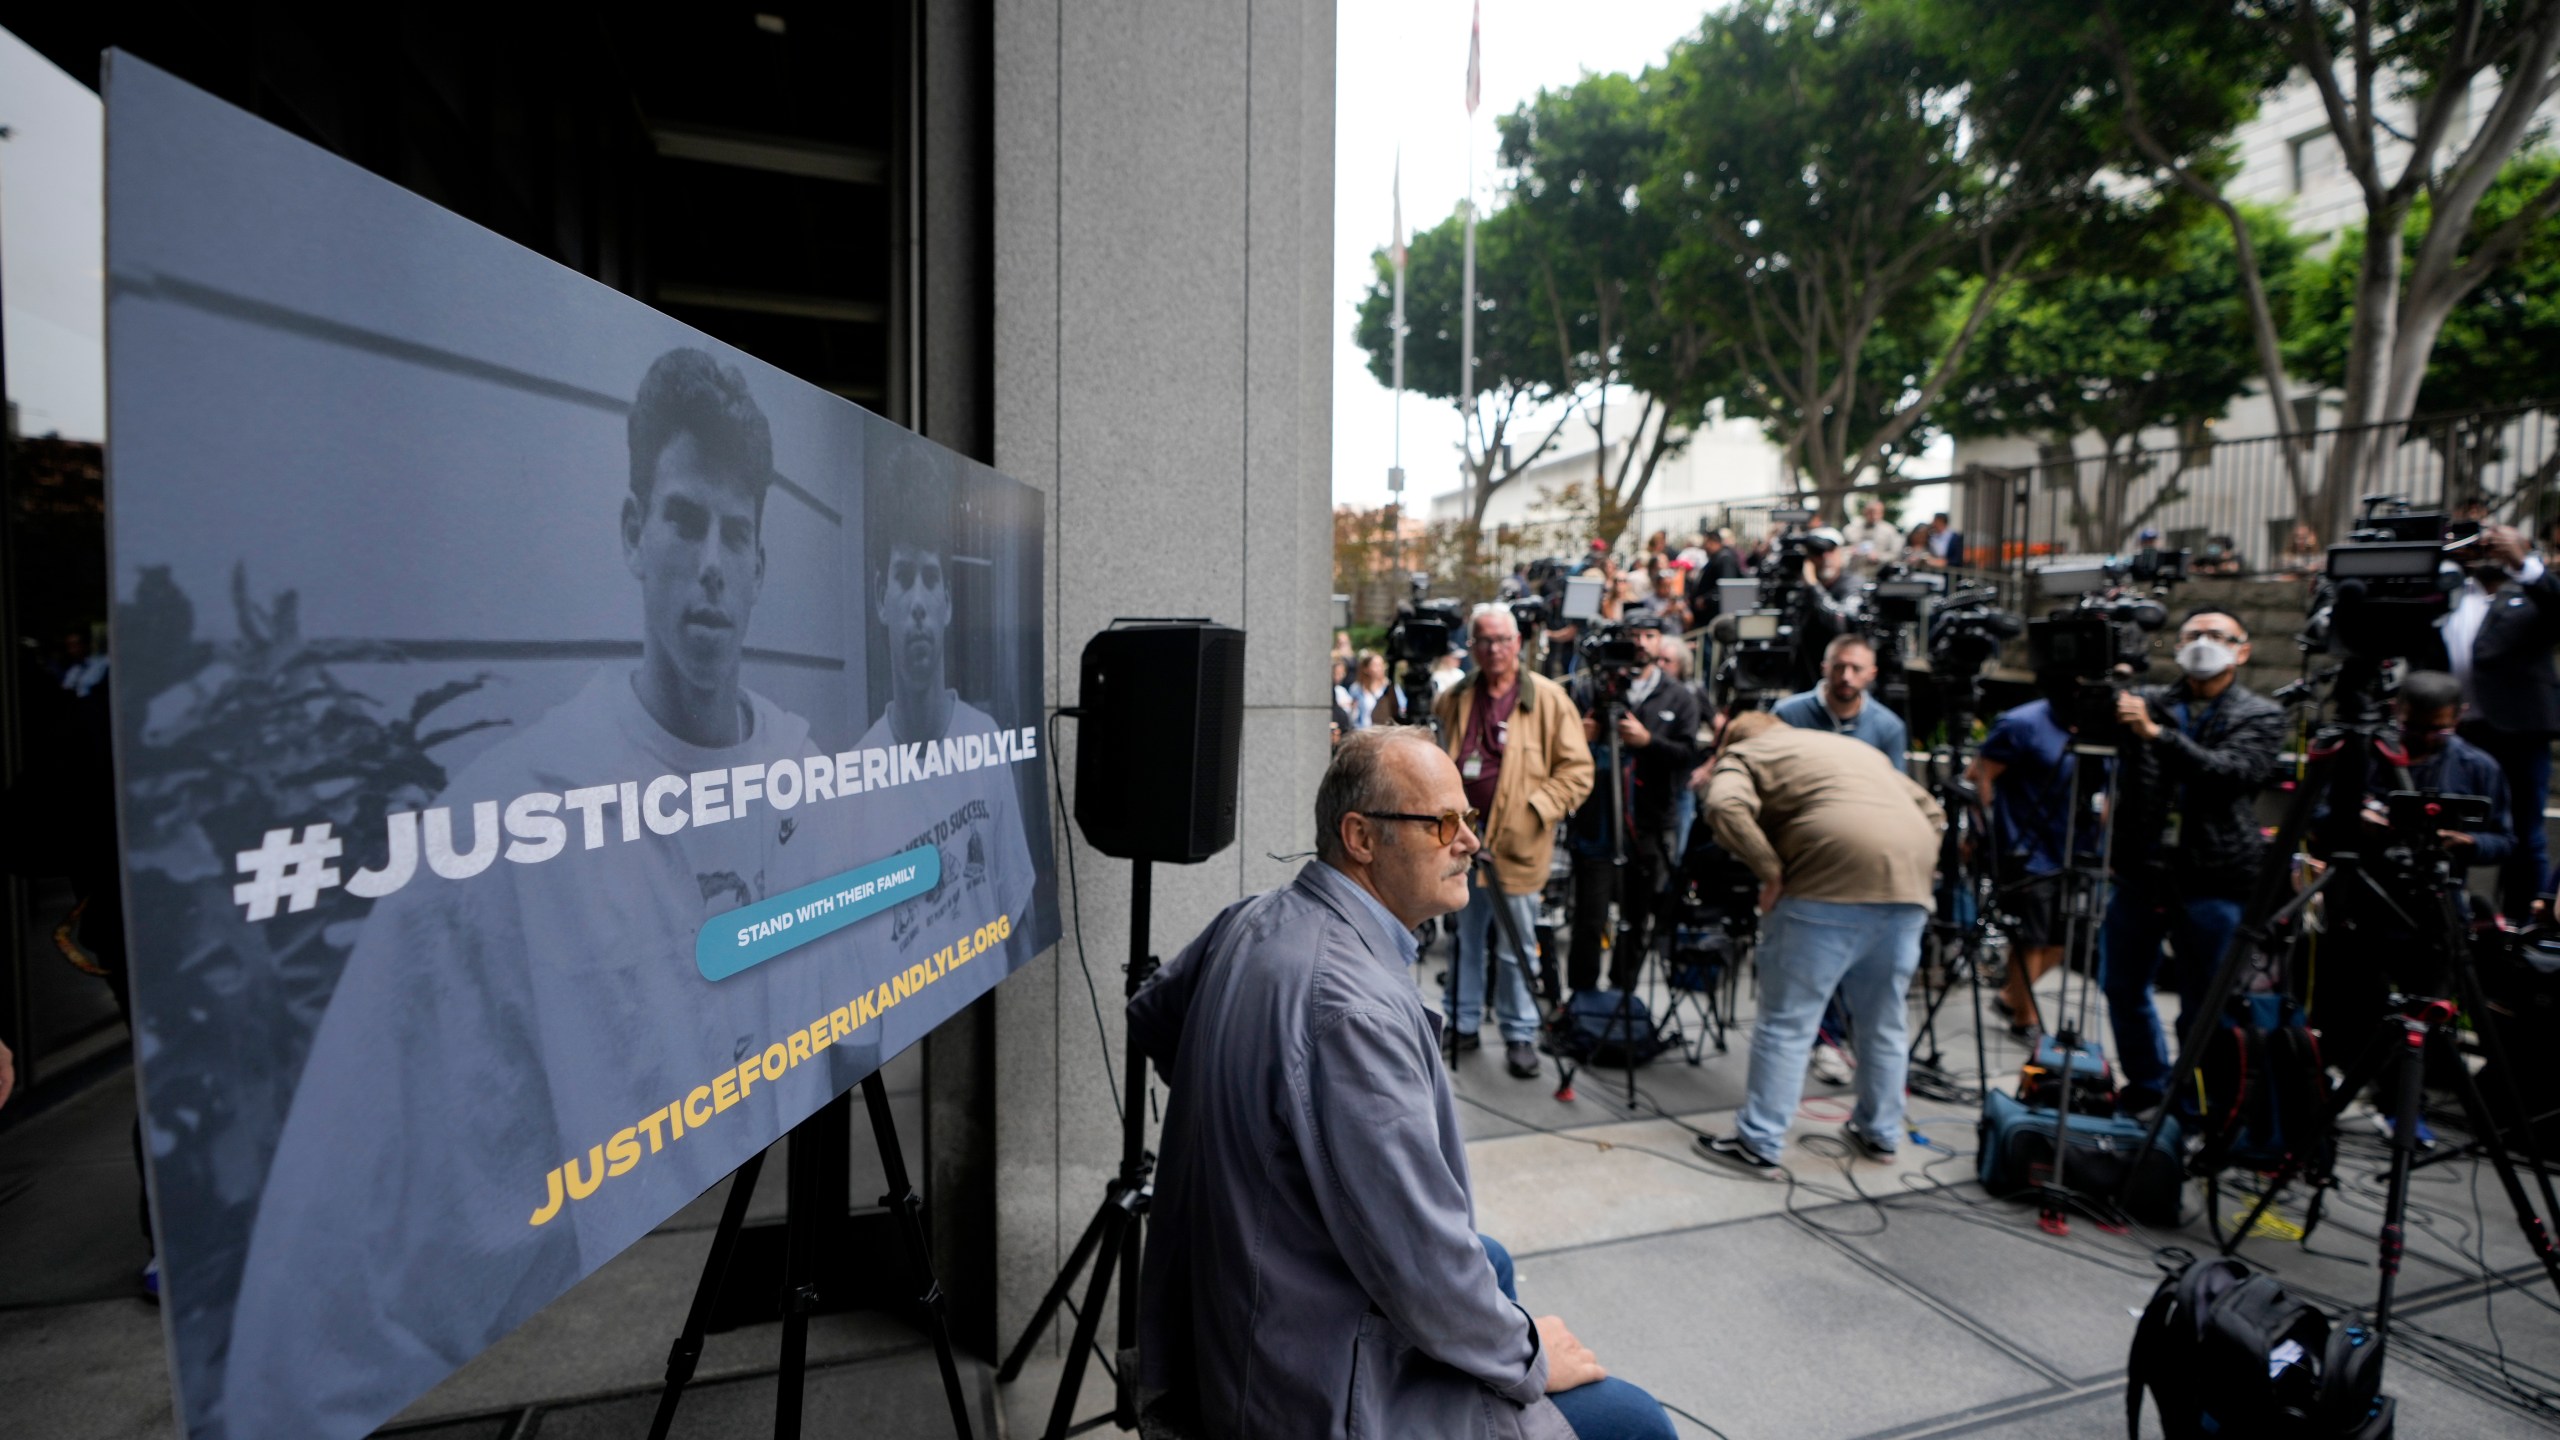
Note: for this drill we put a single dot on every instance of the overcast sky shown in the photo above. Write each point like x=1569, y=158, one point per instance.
x=52, y=206
x=1400, y=79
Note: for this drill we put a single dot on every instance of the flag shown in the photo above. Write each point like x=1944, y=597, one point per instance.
x=1398, y=252
x=1475, y=58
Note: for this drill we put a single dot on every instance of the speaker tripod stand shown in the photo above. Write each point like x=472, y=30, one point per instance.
x=1111, y=1241
x=803, y=1241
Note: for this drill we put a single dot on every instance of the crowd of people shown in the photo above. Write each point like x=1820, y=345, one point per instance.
x=1308, y=1075
x=1536, y=744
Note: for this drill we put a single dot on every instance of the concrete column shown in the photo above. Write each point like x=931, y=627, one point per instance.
x=1163, y=251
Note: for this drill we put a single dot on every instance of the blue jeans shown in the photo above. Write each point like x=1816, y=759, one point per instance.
x=1608, y=1409
x=1809, y=948
x=1515, y=1009
x=2526, y=762
x=2129, y=964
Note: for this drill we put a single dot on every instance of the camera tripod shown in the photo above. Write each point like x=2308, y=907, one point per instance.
x=1111, y=1240
x=1959, y=937
x=1638, y=1038
x=2342, y=755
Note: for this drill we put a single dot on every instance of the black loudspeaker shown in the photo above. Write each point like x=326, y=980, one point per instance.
x=1160, y=722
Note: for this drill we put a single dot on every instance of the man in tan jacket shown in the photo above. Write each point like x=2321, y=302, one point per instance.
x=1845, y=846
x=1518, y=742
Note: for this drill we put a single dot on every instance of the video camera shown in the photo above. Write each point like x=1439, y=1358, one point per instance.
x=1424, y=629
x=1611, y=648
x=1782, y=575
x=2385, y=588
x=1966, y=630
x=2085, y=654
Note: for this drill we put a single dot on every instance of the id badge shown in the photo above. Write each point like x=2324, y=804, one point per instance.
x=1473, y=769
x=2169, y=831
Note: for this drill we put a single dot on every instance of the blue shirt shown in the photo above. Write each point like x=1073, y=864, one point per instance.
x=1873, y=723
x=1335, y=882
x=2031, y=801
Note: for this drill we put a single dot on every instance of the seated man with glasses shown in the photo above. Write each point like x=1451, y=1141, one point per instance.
x=1518, y=742
x=2186, y=844
x=1313, y=1266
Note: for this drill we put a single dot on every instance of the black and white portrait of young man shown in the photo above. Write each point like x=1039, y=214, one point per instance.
x=916, y=499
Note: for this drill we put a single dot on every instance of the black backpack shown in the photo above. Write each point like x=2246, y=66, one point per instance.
x=2228, y=1352
x=2265, y=1091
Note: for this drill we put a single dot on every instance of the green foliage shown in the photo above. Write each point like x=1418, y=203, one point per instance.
x=2162, y=339
x=1855, y=184
x=2501, y=344
x=2158, y=339
x=1516, y=353
x=1581, y=159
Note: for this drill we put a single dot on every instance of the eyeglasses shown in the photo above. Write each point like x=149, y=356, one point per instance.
x=1494, y=642
x=1444, y=826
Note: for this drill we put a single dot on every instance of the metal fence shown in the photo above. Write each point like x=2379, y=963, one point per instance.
x=2233, y=502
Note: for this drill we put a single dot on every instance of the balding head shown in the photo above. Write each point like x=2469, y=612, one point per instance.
x=1377, y=814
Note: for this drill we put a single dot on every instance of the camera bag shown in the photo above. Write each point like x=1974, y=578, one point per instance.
x=1607, y=1028
x=2093, y=1080
x=2226, y=1351
x=2015, y=1153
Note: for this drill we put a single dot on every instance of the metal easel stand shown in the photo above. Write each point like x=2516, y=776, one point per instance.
x=804, y=1237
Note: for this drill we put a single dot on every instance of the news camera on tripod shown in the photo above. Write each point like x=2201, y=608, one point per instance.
x=1424, y=630
x=1642, y=727
x=1807, y=598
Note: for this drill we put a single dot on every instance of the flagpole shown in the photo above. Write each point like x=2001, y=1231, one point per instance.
x=1395, y=474
x=1467, y=308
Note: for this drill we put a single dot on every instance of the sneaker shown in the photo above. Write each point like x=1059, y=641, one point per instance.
x=1829, y=1065
x=2426, y=1132
x=1867, y=1146
x=1730, y=1150
x=1522, y=1057
x=151, y=1280
x=1469, y=1041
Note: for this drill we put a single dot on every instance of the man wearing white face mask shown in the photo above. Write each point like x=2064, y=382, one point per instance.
x=2195, y=755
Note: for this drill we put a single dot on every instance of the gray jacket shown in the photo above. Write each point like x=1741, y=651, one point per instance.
x=1313, y=1268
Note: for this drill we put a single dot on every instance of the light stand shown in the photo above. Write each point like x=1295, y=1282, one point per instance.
x=1112, y=1239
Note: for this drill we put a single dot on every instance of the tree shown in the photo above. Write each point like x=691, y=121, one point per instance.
x=2424, y=57
x=1580, y=159
x=2500, y=347
x=2175, y=79
x=2164, y=339
x=1517, y=367
x=1845, y=172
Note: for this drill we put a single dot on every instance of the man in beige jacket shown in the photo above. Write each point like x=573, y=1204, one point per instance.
x=1518, y=742
x=1845, y=845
